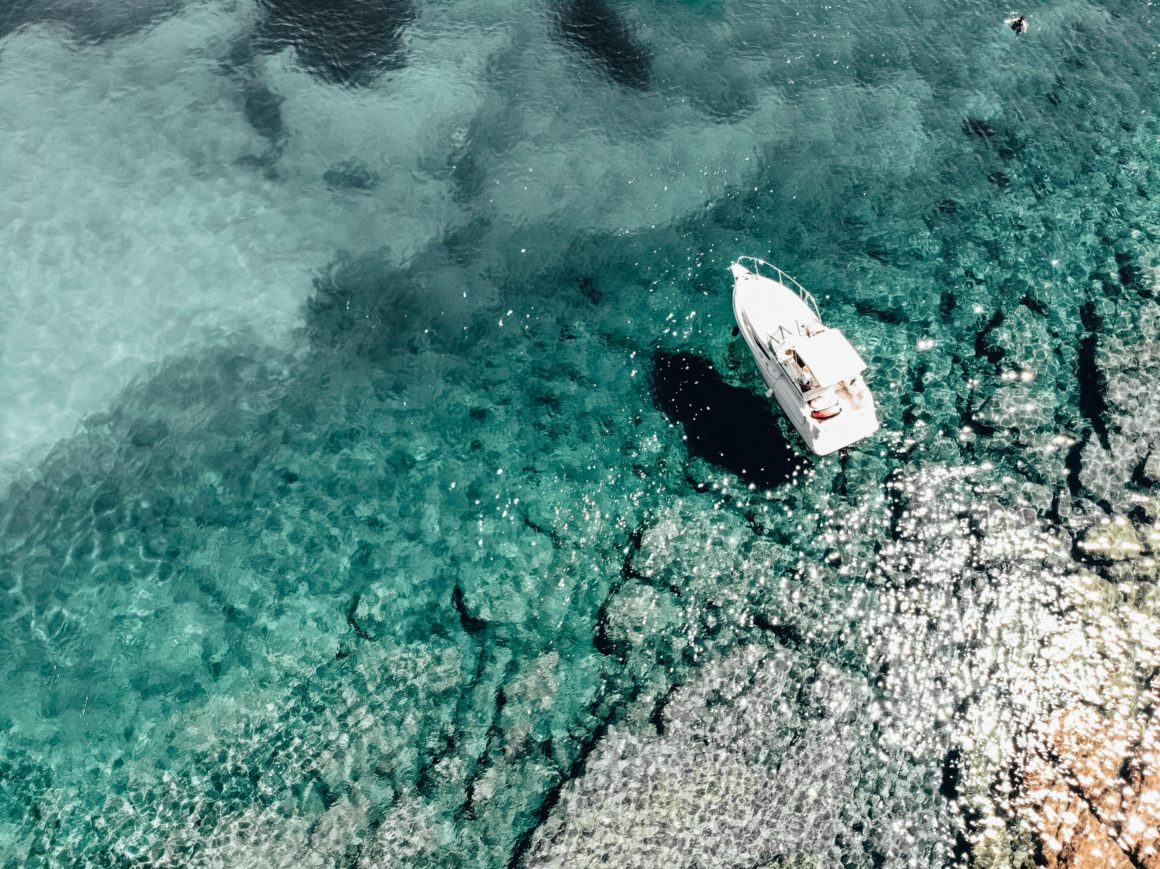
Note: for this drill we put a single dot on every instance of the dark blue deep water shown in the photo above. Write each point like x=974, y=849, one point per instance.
x=381, y=483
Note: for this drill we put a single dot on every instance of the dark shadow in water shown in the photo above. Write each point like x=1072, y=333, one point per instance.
x=1093, y=386
x=363, y=306
x=730, y=427
x=351, y=175
x=263, y=110
x=979, y=128
x=14, y=14
x=88, y=21
x=346, y=42
x=594, y=28
x=371, y=309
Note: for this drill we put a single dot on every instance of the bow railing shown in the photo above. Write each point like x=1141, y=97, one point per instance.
x=781, y=277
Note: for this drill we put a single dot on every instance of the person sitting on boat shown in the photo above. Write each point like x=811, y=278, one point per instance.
x=1019, y=24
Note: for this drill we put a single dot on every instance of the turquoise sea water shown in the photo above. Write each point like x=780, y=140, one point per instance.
x=382, y=485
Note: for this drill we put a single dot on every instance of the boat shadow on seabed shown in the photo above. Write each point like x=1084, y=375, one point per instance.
x=731, y=427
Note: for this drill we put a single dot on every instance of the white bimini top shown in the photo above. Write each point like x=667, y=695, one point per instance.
x=829, y=357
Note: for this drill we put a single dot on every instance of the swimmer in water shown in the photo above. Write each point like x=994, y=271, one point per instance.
x=1019, y=25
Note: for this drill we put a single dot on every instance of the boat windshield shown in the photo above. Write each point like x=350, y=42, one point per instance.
x=829, y=357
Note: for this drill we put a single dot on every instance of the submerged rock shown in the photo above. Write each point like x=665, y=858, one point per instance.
x=978, y=127
x=1125, y=366
x=1091, y=788
x=1150, y=470
x=1115, y=541
x=744, y=773
x=1125, y=548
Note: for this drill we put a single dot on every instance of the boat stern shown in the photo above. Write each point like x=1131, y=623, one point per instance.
x=857, y=428
x=833, y=419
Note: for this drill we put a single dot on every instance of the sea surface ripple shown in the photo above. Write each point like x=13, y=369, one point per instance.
x=381, y=484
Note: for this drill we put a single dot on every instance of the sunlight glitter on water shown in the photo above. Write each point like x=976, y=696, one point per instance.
x=422, y=510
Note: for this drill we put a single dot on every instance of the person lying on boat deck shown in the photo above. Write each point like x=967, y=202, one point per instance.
x=1019, y=25
x=807, y=382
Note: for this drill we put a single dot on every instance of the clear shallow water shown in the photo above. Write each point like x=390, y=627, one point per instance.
x=374, y=493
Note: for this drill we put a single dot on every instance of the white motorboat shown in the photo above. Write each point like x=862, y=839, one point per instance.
x=811, y=369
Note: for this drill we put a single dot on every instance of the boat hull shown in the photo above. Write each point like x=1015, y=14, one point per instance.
x=778, y=324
